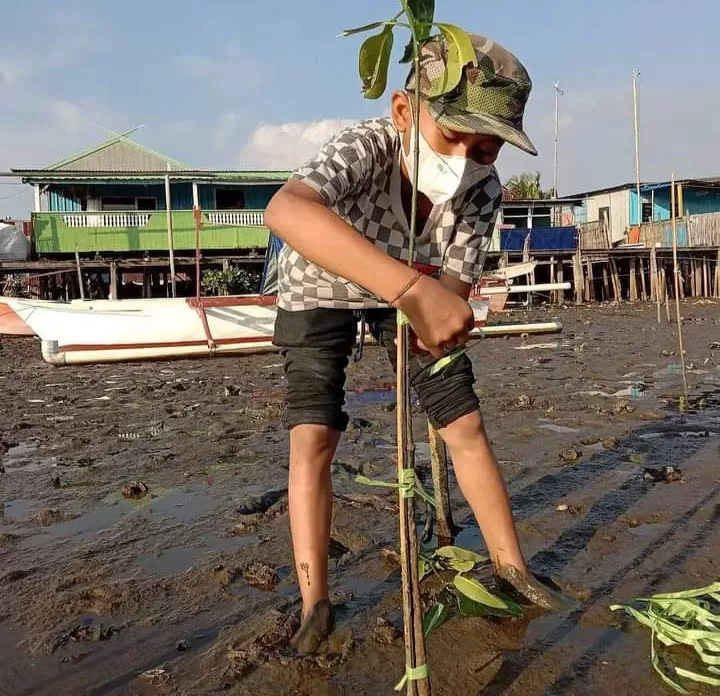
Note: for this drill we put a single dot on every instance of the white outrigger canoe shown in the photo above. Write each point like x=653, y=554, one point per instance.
x=102, y=331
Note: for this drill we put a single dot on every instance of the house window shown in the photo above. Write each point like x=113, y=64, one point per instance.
x=229, y=199
x=604, y=216
x=147, y=204
x=118, y=203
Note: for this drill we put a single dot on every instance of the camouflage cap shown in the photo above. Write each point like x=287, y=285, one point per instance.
x=490, y=98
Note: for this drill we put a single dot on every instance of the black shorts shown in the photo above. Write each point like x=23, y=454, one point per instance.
x=316, y=345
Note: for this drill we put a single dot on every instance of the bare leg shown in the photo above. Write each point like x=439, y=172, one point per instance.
x=312, y=448
x=483, y=487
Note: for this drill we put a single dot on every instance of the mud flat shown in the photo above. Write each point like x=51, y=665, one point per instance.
x=144, y=545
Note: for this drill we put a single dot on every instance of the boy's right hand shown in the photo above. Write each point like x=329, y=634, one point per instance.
x=440, y=319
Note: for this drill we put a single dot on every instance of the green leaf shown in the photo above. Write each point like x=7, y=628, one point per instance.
x=407, y=55
x=461, y=566
x=374, y=61
x=434, y=618
x=455, y=553
x=361, y=30
x=420, y=13
x=472, y=589
x=460, y=54
x=423, y=568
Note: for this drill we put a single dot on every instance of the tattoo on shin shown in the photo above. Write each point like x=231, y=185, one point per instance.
x=306, y=568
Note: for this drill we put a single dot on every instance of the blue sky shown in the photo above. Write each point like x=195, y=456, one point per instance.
x=263, y=84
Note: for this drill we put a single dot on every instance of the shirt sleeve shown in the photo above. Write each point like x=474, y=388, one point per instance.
x=343, y=167
x=474, y=227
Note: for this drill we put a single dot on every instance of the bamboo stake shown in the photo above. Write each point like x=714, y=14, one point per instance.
x=415, y=655
x=633, y=281
x=443, y=512
x=677, y=298
x=655, y=280
x=667, y=293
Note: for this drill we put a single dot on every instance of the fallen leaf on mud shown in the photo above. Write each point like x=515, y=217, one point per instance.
x=572, y=454
x=135, y=491
x=667, y=474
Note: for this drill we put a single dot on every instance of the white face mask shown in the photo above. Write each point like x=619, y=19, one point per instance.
x=441, y=177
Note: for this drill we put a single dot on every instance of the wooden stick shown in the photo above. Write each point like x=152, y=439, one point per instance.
x=590, y=282
x=415, y=655
x=633, y=281
x=578, y=277
x=677, y=296
x=79, y=275
x=446, y=529
x=667, y=292
x=643, y=287
x=606, y=283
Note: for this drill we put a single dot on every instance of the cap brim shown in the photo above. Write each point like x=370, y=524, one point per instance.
x=481, y=124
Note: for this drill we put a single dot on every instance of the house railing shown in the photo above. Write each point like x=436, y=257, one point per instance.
x=140, y=219
x=692, y=231
x=122, y=219
x=593, y=235
x=239, y=218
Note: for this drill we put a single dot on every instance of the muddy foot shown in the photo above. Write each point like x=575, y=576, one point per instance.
x=530, y=589
x=314, y=629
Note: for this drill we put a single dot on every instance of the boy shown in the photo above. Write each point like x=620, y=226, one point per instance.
x=344, y=219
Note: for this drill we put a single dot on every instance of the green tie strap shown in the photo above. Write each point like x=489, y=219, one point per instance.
x=412, y=674
x=409, y=485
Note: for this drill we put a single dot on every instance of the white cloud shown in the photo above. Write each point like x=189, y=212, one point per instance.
x=288, y=145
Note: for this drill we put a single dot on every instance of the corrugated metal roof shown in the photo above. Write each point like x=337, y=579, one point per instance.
x=68, y=176
x=119, y=154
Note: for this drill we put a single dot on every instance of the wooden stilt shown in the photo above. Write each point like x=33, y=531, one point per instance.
x=113, y=281
x=643, y=286
x=553, y=293
x=680, y=285
x=633, y=296
x=590, y=282
x=578, y=277
x=717, y=275
x=666, y=291
x=655, y=280
x=560, y=279
x=606, y=282
x=706, y=277
x=617, y=287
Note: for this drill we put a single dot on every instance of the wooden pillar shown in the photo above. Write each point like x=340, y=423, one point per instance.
x=653, y=275
x=617, y=287
x=698, y=277
x=681, y=279
x=578, y=277
x=643, y=286
x=170, y=237
x=553, y=293
x=633, y=296
x=561, y=279
x=706, y=277
x=663, y=275
x=590, y=281
x=606, y=282
x=147, y=284
x=693, y=279
x=113, y=281
x=717, y=275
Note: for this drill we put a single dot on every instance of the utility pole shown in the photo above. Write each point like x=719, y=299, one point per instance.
x=636, y=75
x=558, y=93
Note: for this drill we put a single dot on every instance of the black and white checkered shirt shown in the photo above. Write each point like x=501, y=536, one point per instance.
x=358, y=174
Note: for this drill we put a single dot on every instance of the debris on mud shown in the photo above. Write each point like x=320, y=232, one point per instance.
x=47, y=518
x=623, y=407
x=157, y=676
x=571, y=509
x=571, y=455
x=261, y=576
x=385, y=632
x=524, y=402
x=87, y=633
x=255, y=504
x=135, y=491
x=666, y=474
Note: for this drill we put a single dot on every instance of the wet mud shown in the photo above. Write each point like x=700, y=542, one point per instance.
x=144, y=542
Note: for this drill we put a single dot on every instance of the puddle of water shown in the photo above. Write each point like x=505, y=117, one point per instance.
x=18, y=509
x=18, y=455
